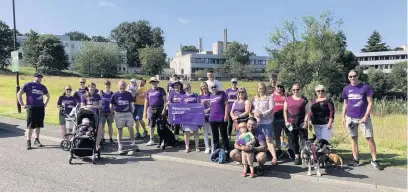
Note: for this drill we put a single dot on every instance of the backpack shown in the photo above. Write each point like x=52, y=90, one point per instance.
x=218, y=156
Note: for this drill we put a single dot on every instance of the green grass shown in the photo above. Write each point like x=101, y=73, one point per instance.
x=389, y=117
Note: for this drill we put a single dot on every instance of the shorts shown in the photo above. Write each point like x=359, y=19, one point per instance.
x=124, y=119
x=138, y=113
x=188, y=127
x=266, y=129
x=35, y=117
x=322, y=132
x=247, y=158
x=366, y=128
x=154, y=114
x=106, y=118
x=62, y=120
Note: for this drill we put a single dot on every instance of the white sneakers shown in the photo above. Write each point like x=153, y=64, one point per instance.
x=207, y=150
x=150, y=143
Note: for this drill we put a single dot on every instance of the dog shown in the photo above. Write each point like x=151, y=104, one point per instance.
x=166, y=137
x=336, y=160
x=309, y=155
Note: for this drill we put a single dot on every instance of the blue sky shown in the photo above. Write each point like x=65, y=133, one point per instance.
x=184, y=21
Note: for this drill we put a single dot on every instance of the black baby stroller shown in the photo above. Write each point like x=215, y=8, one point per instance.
x=84, y=144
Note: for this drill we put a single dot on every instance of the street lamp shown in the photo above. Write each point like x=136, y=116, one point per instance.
x=15, y=49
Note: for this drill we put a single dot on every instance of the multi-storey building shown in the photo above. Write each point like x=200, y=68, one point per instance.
x=380, y=60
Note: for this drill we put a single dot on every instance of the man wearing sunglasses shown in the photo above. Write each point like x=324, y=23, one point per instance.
x=81, y=91
x=35, y=107
x=357, y=105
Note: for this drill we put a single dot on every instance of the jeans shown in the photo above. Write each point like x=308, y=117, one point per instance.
x=218, y=128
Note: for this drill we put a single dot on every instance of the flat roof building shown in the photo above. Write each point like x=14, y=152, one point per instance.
x=380, y=60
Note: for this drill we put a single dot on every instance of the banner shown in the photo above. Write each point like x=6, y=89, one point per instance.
x=192, y=113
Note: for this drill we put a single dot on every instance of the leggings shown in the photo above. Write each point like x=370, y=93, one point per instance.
x=217, y=129
x=230, y=125
x=278, y=126
x=295, y=134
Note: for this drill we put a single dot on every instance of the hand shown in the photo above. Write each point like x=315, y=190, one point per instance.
x=305, y=125
x=363, y=120
x=24, y=106
x=206, y=111
x=287, y=124
x=248, y=144
x=329, y=126
x=45, y=105
x=145, y=116
x=245, y=148
x=226, y=118
x=256, y=113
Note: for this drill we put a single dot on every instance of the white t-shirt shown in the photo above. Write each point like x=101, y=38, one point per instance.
x=218, y=83
x=132, y=89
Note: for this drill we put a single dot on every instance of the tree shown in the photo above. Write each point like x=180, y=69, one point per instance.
x=398, y=49
x=132, y=36
x=97, y=59
x=200, y=74
x=77, y=36
x=6, y=44
x=398, y=77
x=152, y=59
x=189, y=48
x=99, y=39
x=379, y=82
x=237, y=59
x=313, y=57
x=52, y=58
x=32, y=49
x=374, y=44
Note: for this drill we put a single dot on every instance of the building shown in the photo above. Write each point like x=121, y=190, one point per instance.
x=380, y=60
x=73, y=47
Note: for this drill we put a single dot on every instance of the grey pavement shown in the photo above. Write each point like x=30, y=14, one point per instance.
x=48, y=170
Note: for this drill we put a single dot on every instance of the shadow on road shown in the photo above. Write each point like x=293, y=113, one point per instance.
x=387, y=159
x=15, y=131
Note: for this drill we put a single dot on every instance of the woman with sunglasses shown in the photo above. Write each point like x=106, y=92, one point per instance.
x=322, y=114
x=218, y=117
x=263, y=106
x=66, y=102
x=204, y=99
x=232, y=94
x=107, y=115
x=294, y=112
x=175, y=96
x=190, y=97
x=241, y=108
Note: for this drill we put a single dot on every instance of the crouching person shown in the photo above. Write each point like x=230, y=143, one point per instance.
x=258, y=149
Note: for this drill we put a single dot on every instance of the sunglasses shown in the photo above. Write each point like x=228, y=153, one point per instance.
x=353, y=76
x=320, y=91
x=295, y=89
x=187, y=88
x=214, y=87
x=68, y=89
x=82, y=82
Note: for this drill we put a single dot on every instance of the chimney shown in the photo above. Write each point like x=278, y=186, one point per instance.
x=225, y=40
x=200, y=44
x=181, y=46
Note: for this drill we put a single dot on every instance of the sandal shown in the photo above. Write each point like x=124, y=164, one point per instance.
x=274, y=162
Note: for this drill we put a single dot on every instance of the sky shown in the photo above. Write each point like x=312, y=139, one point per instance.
x=184, y=21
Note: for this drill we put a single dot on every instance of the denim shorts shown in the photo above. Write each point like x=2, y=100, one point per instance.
x=266, y=129
x=138, y=113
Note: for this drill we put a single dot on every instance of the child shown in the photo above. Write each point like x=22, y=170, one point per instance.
x=85, y=128
x=246, y=139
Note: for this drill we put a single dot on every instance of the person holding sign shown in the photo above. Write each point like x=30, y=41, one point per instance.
x=204, y=100
x=190, y=97
x=155, y=100
x=175, y=97
x=219, y=116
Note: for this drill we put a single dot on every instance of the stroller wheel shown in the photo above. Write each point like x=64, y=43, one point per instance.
x=70, y=159
x=65, y=145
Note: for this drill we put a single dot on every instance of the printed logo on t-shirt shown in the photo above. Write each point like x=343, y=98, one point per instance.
x=215, y=100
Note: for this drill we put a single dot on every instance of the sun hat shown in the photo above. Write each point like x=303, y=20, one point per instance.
x=153, y=79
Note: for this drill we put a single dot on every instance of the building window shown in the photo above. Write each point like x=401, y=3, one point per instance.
x=72, y=46
x=66, y=45
x=210, y=60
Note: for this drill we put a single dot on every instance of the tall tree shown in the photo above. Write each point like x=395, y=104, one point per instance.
x=52, y=58
x=99, y=39
x=32, y=49
x=189, y=48
x=152, y=59
x=77, y=36
x=374, y=44
x=398, y=77
x=6, y=44
x=132, y=36
x=237, y=59
x=98, y=59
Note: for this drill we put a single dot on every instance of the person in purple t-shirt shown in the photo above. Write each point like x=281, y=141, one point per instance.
x=357, y=105
x=219, y=116
x=123, y=106
x=175, y=97
x=155, y=101
x=204, y=99
x=66, y=102
x=190, y=97
x=232, y=95
x=81, y=91
x=106, y=115
x=35, y=107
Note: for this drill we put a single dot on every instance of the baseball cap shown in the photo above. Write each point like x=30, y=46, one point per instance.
x=133, y=80
x=37, y=74
x=107, y=82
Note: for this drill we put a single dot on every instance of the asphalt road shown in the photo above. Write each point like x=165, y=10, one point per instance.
x=47, y=169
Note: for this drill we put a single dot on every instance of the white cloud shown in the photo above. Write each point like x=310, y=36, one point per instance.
x=184, y=21
x=107, y=4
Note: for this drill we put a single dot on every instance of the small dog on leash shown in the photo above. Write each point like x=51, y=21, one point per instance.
x=336, y=160
x=309, y=155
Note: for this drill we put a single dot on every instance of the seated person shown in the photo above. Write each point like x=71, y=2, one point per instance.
x=85, y=128
x=258, y=149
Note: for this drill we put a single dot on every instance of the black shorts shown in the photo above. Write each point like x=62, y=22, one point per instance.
x=35, y=117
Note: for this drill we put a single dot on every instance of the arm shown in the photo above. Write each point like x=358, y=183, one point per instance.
x=260, y=148
x=307, y=107
x=165, y=102
x=330, y=105
x=226, y=111
x=247, y=109
x=285, y=112
x=343, y=113
x=47, y=100
x=20, y=97
x=146, y=105
x=231, y=112
x=369, y=108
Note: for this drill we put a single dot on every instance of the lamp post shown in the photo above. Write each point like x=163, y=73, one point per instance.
x=15, y=49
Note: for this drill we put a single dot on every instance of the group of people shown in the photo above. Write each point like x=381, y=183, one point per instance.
x=260, y=123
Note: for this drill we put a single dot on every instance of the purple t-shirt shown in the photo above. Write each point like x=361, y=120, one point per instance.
x=260, y=138
x=231, y=94
x=106, y=98
x=68, y=102
x=122, y=101
x=356, y=97
x=175, y=97
x=189, y=98
x=154, y=97
x=204, y=97
x=78, y=94
x=93, y=100
x=217, y=103
x=34, y=94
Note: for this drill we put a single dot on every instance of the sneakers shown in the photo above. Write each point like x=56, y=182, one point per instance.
x=298, y=161
x=207, y=150
x=120, y=150
x=252, y=175
x=283, y=144
x=244, y=174
x=144, y=134
x=150, y=143
x=354, y=163
x=37, y=143
x=111, y=141
x=28, y=145
x=377, y=165
x=138, y=136
x=279, y=153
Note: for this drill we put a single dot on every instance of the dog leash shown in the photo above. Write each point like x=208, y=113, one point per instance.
x=341, y=141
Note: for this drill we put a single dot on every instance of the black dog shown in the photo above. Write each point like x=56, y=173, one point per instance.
x=165, y=135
